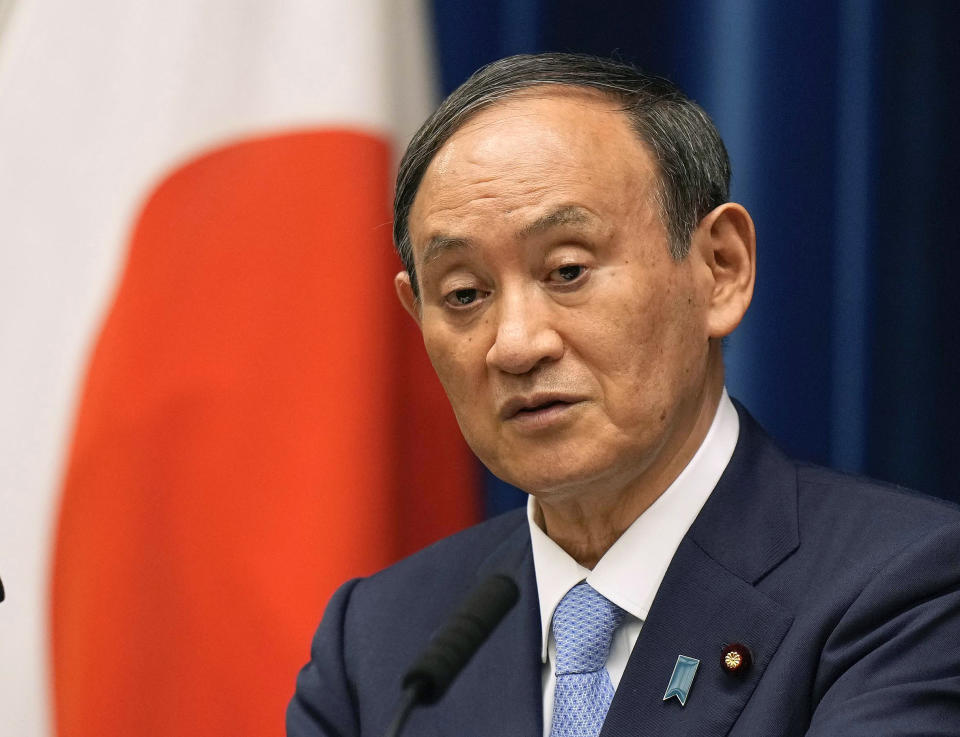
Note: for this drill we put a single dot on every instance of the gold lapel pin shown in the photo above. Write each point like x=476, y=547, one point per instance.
x=736, y=659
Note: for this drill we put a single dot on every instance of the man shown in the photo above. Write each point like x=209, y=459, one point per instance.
x=573, y=264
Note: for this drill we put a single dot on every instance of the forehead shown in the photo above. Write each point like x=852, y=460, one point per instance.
x=543, y=148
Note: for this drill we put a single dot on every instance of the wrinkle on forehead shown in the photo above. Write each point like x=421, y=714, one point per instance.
x=479, y=130
x=564, y=215
x=531, y=153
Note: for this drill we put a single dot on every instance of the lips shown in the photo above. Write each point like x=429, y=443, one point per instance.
x=536, y=404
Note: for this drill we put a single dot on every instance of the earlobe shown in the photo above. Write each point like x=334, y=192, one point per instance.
x=727, y=242
x=408, y=299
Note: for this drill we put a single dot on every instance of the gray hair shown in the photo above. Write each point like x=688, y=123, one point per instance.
x=694, y=169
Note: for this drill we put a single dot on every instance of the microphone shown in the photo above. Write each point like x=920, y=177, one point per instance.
x=454, y=644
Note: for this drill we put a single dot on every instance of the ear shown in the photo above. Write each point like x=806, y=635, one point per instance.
x=408, y=299
x=727, y=244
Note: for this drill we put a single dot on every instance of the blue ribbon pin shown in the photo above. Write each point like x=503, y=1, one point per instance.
x=682, y=679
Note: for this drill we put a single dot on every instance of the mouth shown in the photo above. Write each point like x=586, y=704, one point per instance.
x=541, y=407
x=537, y=408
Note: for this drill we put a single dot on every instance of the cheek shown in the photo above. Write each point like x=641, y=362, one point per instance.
x=460, y=361
x=456, y=363
x=627, y=331
x=645, y=348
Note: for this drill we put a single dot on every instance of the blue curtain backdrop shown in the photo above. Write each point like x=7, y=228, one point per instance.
x=841, y=122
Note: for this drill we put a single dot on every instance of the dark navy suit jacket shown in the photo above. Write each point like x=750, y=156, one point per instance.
x=846, y=592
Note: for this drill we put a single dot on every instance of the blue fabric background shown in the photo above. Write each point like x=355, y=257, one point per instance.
x=840, y=119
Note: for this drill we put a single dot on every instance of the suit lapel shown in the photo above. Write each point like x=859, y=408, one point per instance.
x=700, y=607
x=750, y=522
x=708, y=599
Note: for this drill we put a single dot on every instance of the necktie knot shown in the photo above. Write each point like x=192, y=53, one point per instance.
x=583, y=626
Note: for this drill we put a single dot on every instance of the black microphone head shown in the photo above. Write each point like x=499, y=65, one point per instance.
x=455, y=643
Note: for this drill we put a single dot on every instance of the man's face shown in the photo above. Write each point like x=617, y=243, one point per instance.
x=572, y=346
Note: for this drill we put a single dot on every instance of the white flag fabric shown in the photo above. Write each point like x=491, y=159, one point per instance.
x=200, y=431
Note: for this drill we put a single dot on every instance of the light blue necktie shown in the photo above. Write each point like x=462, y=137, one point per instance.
x=583, y=626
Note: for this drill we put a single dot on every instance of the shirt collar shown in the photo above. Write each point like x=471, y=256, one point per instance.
x=630, y=572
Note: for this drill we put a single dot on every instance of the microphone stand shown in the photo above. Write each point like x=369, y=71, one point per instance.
x=411, y=695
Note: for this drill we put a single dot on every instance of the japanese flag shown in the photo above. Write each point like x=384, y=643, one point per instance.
x=213, y=410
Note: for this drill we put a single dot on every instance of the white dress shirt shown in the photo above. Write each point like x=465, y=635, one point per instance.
x=630, y=572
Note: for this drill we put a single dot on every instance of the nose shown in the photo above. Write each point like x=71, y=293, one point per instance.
x=526, y=336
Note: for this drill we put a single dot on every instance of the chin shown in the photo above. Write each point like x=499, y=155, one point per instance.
x=554, y=463
x=547, y=478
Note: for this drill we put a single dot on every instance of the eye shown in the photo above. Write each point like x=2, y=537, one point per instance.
x=459, y=298
x=568, y=273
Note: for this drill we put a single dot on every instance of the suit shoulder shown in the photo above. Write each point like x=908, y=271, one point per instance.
x=448, y=567
x=471, y=545
x=833, y=492
x=876, y=513
x=863, y=491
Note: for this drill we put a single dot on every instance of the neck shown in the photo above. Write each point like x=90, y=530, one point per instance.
x=586, y=521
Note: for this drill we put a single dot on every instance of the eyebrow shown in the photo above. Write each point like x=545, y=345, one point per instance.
x=563, y=215
x=440, y=244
